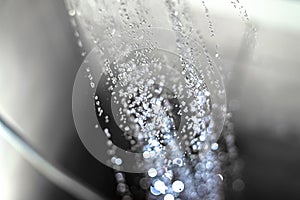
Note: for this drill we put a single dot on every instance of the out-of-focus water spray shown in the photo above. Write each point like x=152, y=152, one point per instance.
x=160, y=92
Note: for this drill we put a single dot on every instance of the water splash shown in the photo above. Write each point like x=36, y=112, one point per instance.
x=169, y=115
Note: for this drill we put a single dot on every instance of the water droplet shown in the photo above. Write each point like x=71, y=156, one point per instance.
x=152, y=172
x=79, y=43
x=178, y=186
x=160, y=186
x=121, y=187
x=221, y=177
x=118, y=161
x=169, y=197
x=214, y=146
x=154, y=191
x=72, y=12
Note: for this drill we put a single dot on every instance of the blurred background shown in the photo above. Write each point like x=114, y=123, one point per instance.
x=39, y=58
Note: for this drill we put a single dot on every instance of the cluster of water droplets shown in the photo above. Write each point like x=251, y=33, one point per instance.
x=164, y=109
